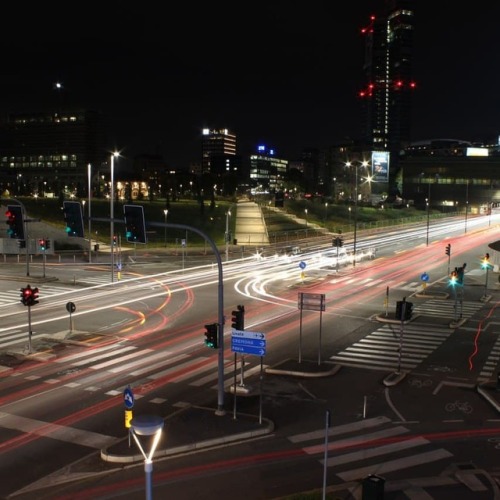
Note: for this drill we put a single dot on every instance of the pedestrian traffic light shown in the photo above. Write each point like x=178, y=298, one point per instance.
x=238, y=318
x=337, y=242
x=115, y=240
x=42, y=245
x=15, y=221
x=485, y=264
x=74, y=218
x=47, y=244
x=135, y=225
x=211, y=335
x=448, y=249
x=21, y=243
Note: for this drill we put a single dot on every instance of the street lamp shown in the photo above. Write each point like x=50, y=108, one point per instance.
x=165, y=212
x=147, y=425
x=306, y=216
x=466, y=203
x=228, y=214
x=112, y=213
x=364, y=163
x=427, y=202
x=326, y=211
x=89, y=175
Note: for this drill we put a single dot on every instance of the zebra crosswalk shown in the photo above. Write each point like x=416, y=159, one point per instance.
x=448, y=308
x=385, y=447
x=387, y=349
x=152, y=365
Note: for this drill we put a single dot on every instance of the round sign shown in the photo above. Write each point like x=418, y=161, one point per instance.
x=424, y=277
x=302, y=264
x=128, y=398
x=70, y=307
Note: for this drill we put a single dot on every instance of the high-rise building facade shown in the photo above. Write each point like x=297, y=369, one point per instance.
x=218, y=151
x=267, y=171
x=50, y=152
x=389, y=84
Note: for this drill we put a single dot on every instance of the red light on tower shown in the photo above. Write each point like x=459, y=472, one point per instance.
x=369, y=28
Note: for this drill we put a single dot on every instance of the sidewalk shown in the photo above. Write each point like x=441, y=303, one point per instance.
x=250, y=228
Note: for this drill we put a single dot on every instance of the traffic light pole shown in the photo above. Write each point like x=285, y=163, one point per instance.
x=23, y=208
x=29, y=330
x=221, y=321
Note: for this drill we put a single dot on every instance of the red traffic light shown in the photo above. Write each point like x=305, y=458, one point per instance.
x=29, y=296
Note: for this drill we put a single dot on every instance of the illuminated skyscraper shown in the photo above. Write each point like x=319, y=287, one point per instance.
x=389, y=84
x=218, y=151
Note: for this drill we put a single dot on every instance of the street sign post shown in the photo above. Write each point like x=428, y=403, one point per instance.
x=128, y=398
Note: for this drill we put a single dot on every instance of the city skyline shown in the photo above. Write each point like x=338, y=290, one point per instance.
x=277, y=72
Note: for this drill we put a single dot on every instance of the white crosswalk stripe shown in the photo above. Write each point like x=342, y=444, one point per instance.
x=101, y=279
x=385, y=448
x=380, y=349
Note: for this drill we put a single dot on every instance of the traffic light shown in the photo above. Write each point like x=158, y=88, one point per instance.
x=454, y=277
x=15, y=221
x=238, y=318
x=408, y=310
x=29, y=296
x=448, y=249
x=135, y=225
x=42, y=245
x=211, y=335
x=338, y=242
x=21, y=243
x=399, y=309
x=73, y=216
x=47, y=244
x=485, y=264
x=26, y=295
x=34, y=297
x=115, y=240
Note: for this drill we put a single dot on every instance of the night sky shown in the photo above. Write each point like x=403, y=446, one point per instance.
x=284, y=73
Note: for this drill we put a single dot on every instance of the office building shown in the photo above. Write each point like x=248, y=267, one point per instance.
x=48, y=153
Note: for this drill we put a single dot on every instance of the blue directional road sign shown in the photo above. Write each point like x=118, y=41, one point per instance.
x=128, y=397
x=302, y=264
x=424, y=277
x=248, y=342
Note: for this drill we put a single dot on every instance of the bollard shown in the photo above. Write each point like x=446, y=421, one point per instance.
x=373, y=488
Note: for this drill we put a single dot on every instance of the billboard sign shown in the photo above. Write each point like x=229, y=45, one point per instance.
x=380, y=166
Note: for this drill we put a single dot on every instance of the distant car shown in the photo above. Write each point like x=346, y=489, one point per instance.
x=331, y=257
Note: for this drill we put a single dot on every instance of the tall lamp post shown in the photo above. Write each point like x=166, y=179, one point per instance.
x=326, y=211
x=165, y=212
x=364, y=163
x=466, y=204
x=112, y=214
x=226, y=236
x=427, y=206
x=89, y=175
